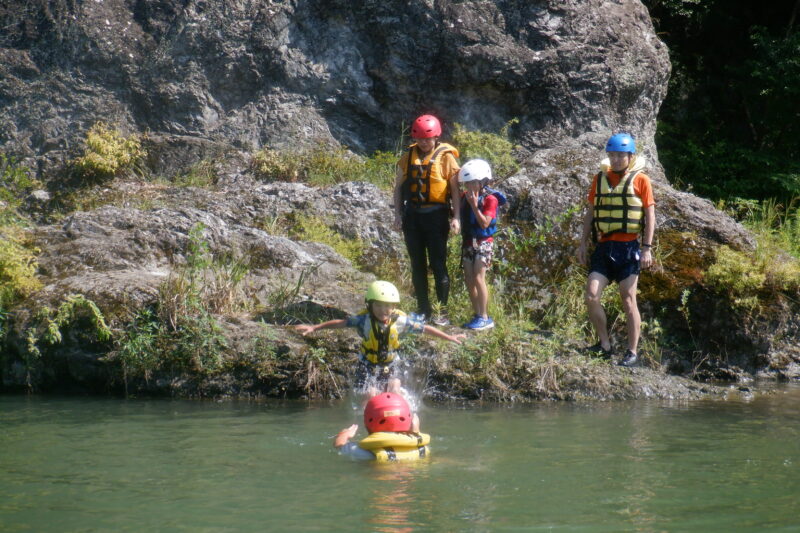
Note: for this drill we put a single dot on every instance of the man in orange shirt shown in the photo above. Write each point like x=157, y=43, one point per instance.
x=621, y=206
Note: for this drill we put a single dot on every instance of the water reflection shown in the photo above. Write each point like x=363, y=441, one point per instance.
x=390, y=509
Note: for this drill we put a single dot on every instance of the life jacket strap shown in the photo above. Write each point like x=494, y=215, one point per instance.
x=382, y=355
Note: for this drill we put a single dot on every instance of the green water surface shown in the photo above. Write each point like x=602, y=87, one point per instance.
x=77, y=464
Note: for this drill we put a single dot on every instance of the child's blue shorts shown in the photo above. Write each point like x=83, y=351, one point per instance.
x=616, y=260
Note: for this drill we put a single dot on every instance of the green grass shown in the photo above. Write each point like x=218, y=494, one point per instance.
x=315, y=229
x=182, y=333
x=322, y=165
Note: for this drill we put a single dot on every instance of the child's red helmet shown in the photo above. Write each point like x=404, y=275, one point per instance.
x=425, y=127
x=387, y=412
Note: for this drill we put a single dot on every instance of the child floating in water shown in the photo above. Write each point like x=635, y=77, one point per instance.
x=381, y=326
x=394, y=432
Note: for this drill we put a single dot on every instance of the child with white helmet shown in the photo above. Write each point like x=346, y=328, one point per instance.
x=479, y=206
x=381, y=326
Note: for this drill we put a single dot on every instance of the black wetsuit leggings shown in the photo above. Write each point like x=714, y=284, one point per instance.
x=426, y=240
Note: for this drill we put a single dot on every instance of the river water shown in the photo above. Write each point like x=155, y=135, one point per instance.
x=87, y=464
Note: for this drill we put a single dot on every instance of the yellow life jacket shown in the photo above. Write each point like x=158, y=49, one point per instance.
x=424, y=184
x=380, y=345
x=390, y=446
x=617, y=209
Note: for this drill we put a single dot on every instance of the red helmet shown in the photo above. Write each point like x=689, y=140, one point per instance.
x=425, y=127
x=387, y=412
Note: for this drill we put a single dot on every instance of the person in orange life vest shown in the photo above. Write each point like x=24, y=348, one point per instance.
x=381, y=326
x=478, y=223
x=425, y=187
x=385, y=412
x=621, y=206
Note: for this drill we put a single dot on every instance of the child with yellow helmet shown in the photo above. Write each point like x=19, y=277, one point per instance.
x=381, y=326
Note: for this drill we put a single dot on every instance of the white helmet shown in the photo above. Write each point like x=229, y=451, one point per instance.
x=475, y=169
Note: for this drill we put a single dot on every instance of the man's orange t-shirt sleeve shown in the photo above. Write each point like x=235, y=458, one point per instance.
x=643, y=189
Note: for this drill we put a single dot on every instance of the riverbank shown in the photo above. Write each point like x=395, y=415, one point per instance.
x=189, y=287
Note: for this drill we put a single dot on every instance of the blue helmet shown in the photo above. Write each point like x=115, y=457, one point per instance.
x=621, y=142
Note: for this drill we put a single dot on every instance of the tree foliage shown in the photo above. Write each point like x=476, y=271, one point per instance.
x=729, y=127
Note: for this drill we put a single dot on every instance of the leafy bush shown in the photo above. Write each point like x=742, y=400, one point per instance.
x=47, y=325
x=17, y=268
x=738, y=275
x=182, y=333
x=275, y=165
x=108, y=153
x=495, y=148
x=729, y=128
x=773, y=267
x=750, y=280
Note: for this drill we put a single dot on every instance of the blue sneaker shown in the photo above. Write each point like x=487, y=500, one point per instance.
x=467, y=325
x=479, y=323
x=487, y=323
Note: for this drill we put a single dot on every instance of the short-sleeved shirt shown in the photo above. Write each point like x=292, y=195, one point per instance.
x=404, y=324
x=489, y=209
x=641, y=188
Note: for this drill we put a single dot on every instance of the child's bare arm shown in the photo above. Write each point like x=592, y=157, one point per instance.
x=430, y=330
x=305, y=329
x=344, y=436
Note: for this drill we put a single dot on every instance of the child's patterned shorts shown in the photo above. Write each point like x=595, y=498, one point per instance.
x=484, y=251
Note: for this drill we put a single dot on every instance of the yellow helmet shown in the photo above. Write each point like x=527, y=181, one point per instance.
x=382, y=291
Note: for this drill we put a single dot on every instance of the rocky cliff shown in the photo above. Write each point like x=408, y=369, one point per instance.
x=197, y=74
x=215, y=81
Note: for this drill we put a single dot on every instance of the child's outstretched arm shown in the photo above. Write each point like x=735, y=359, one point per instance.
x=305, y=329
x=430, y=330
x=344, y=436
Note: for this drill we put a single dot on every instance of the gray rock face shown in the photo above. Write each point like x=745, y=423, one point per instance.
x=119, y=256
x=200, y=75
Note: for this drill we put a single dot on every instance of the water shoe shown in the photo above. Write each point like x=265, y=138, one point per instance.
x=629, y=359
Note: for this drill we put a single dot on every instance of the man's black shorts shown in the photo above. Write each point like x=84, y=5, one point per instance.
x=616, y=260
